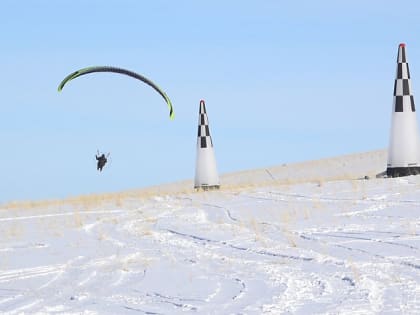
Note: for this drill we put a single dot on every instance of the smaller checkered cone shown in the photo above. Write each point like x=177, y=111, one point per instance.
x=206, y=176
x=404, y=149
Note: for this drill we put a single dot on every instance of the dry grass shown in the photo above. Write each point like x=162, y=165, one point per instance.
x=13, y=231
x=89, y=202
x=290, y=238
x=349, y=167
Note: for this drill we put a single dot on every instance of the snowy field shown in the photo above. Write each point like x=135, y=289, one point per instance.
x=328, y=243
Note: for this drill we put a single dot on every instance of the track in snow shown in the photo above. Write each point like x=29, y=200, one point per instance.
x=348, y=247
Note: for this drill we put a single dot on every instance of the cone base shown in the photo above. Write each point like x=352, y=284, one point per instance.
x=402, y=171
x=207, y=187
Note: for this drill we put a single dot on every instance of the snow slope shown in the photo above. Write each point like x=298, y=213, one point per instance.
x=304, y=238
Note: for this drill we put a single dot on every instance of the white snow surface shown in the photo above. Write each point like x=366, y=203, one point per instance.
x=328, y=243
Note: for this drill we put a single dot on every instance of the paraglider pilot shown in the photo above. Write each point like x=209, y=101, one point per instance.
x=101, y=161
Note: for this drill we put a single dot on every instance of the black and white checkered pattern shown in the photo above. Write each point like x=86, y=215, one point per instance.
x=204, y=139
x=403, y=98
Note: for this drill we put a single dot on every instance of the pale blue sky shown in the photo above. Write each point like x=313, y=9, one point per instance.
x=284, y=81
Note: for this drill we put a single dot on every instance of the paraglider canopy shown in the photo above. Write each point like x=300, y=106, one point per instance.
x=132, y=74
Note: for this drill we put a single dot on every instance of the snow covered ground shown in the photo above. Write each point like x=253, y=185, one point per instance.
x=268, y=242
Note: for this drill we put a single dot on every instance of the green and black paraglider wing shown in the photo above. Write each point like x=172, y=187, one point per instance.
x=132, y=74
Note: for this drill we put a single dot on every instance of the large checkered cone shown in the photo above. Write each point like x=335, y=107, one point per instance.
x=404, y=149
x=206, y=175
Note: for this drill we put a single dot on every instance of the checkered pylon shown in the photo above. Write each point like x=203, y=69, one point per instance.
x=404, y=150
x=204, y=138
x=206, y=176
x=403, y=98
